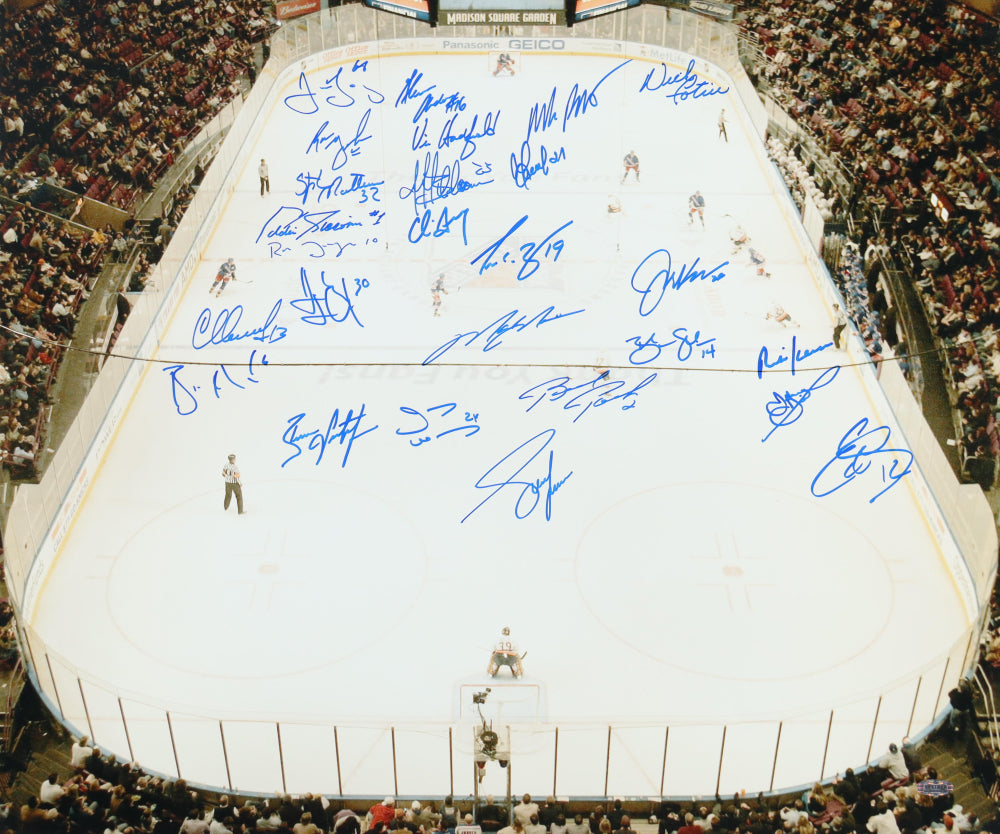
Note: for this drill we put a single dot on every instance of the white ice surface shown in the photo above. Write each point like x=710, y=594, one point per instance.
x=685, y=576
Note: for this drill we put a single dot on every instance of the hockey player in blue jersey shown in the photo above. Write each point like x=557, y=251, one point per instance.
x=226, y=273
x=696, y=205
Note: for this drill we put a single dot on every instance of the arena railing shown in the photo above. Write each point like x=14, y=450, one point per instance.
x=258, y=754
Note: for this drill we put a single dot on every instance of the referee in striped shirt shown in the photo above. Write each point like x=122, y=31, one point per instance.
x=231, y=472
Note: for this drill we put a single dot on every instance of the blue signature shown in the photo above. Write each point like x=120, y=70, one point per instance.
x=312, y=249
x=648, y=350
x=336, y=187
x=470, y=426
x=185, y=395
x=342, y=430
x=305, y=102
x=652, y=286
x=680, y=86
x=317, y=310
x=528, y=251
x=292, y=222
x=223, y=329
x=592, y=394
x=421, y=225
x=411, y=91
x=785, y=409
x=795, y=355
x=543, y=114
x=503, y=325
x=522, y=169
x=541, y=117
x=856, y=448
x=468, y=135
x=436, y=182
x=344, y=150
x=531, y=490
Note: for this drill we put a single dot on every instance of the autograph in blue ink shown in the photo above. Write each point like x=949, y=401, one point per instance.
x=680, y=86
x=296, y=224
x=336, y=303
x=498, y=329
x=544, y=114
x=586, y=395
x=793, y=357
x=785, y=409
x=528, y=251
x=856, y=450
x=436, y=182
x=421, y=225
x=313, y=249
x=648, y=350
x=523, y=170
x=467, y=135
x=305, y=101
x=184, y=395
x=344, y=430
x=470, y=425
x=654, y=275
x=502, y=474
x=343, y=150
x=411, y=91
x=221, y=329
x=453, y=103
x=528, y=162
x=312, y=184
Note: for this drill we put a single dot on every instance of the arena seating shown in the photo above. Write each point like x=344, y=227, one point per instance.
x=914, y=87
x=101, y=99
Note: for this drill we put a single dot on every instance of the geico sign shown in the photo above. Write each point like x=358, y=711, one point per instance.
x=536, y=43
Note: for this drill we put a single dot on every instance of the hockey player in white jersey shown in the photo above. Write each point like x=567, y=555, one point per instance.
x=505, y=653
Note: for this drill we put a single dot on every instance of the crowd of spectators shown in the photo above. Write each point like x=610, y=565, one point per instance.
x=897, y=795
x=104, y=796
x=106, y=115
x=47, y=267
x=798, y=178
x=98, y=101
x=906, y=96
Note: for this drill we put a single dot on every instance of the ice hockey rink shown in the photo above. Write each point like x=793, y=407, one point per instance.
x=705, y=528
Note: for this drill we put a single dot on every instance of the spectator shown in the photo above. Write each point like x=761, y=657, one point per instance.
x=344, y=821
x=883, y=821
x=624, y=825
x=79, y=753
x=894, y=762
x=549, y=810
x=615, y=814
x=689, y=826
x=51, y=791
x=383, y=813
x=492, y=816
x=194, y=824
x=305, y=825
x=524, y=810
x=961, y=701
x=534, y=826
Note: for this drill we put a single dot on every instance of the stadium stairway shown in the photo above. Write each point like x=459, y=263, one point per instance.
x=956, y=759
